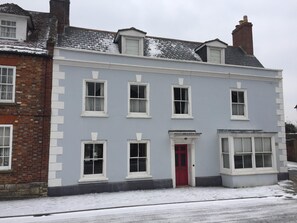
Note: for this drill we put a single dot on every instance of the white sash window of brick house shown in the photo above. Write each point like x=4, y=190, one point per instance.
x=7, y=81
x=5, y=146
x=8, y=29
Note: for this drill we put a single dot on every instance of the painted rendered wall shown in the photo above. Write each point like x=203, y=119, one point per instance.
x=210, y=90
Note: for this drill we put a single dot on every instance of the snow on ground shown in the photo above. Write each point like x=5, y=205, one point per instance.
x=292, y=165
x=135, y=198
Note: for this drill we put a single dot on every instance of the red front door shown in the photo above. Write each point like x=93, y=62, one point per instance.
x=181, y=165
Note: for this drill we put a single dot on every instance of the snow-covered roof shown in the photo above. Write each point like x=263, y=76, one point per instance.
x=155, y=47
x=44, y=29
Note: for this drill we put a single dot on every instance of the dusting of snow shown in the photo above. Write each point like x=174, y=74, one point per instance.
x=110, y=45
x=131, y=198
x=292, y=165
x=154, y=50
x=23, y=49
x=196, y=55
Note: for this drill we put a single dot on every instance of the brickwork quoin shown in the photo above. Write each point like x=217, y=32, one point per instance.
x=30, y=117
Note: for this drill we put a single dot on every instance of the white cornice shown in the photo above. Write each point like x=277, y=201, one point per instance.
x=165, y=59
x=162, y=70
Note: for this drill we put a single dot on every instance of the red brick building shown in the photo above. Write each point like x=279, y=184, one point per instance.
x=26, y=49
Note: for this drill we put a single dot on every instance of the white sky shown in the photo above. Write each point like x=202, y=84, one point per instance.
x=274, y=26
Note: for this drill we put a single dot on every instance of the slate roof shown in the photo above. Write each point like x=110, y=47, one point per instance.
x=44, y=28
x=11, y=8
x=103, y=41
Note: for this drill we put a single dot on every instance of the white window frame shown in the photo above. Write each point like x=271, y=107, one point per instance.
x=144, y=174
x=94, y=113
x=9, y=27
x=140, y=45
x=93, y=177
x=239, y=117
x=222, y=55
x=182, y=116
x=13, y=84
x=139, y=114
x=246, y=171
x=3, y=168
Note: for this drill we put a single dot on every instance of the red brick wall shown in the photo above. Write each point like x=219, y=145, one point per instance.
x=30, y=116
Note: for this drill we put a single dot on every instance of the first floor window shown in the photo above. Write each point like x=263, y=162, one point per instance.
x=138, y=160
x=238, y=103
x=8, y=29
x=181, y=101
x=7, y=76
x=93, y=160
x=5, y=146
x=138, y=98
x=94, y=98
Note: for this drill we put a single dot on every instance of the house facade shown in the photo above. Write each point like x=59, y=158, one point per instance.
x=26, y=49
x=131, y=111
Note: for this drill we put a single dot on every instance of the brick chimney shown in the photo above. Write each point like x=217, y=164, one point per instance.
x=60, y=9
x=243, y=36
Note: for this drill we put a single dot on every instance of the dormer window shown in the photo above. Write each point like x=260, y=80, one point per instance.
x=15, y=22
x=130, y=41
x=212, y=51
x=8, y=29
x=215, y=55
x=132, y=46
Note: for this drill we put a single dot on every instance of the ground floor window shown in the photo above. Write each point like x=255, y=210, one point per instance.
x=138, y=158
x=5, y=146
x=247, y=152
x=93, y=160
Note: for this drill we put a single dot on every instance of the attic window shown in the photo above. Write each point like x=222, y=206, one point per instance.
x=212, y=51
x=130, y=41
x=8, y=29
x=215, y=55
x=132, y=46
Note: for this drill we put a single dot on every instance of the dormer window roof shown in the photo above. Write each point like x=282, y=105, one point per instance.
x=14, y=22
x=212, y=51
x=130, y=41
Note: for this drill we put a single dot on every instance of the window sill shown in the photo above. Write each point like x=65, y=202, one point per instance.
x=144, y=116
x=182, y=117
x=8, y=103
x=239, y=118
x=95, y=179
x=139, y=177
x=3, y=171
x=94, y=114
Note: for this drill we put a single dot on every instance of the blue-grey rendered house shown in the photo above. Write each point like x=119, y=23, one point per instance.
x=132, y=111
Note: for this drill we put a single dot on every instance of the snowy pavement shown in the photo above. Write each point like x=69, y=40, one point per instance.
x=143, y=198
x=50, y=205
